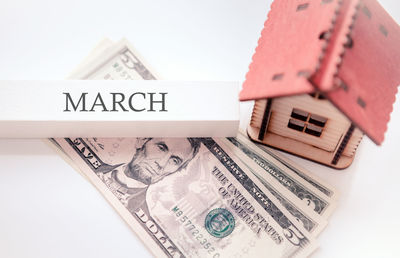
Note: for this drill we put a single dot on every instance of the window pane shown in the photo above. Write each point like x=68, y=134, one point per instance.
x=318, y=120
x=299, y=114
x=296, y=125
x=313, y=130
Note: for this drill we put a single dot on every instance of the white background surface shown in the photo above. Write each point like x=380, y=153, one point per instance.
x=48, y=210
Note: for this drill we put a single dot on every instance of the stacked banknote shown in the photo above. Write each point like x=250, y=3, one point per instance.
x=198, y=197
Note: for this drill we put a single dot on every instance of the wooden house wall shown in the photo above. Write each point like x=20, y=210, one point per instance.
x=332, y=134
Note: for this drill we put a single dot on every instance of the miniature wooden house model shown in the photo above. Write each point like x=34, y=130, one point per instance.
x=324, y=73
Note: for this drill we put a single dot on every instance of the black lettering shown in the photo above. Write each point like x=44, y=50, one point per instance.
x=119, y=102
x=100, y=99
x=75, y=107
x=162, y=102
x=131, y=104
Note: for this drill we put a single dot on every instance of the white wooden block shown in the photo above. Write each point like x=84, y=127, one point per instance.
x=44, y=109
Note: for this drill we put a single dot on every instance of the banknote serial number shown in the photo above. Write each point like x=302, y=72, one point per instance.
x=195, y=232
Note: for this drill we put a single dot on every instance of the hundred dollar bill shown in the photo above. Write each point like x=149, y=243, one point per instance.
x=189, y=197
x=272, y=169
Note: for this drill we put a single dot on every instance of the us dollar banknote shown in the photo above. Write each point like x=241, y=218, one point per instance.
x=113, y=61
x=328, y=191
x=310, y=220
x=274, y=169
x=181, y=192
x=189, y=197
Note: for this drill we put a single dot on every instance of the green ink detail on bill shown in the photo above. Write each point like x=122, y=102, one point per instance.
x=219, y=222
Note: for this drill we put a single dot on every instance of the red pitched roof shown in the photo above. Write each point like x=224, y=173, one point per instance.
x=352, y=56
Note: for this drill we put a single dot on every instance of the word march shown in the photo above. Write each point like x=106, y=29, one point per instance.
x=117, y=101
